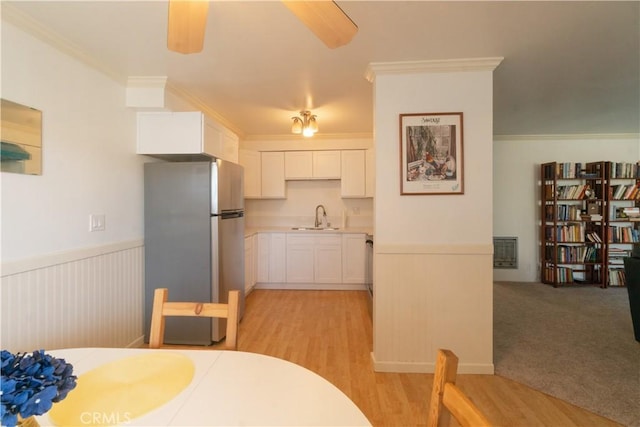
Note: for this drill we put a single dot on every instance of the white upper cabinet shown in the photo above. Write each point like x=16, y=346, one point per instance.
x=326, y=164
x=298, y=164
x=312, y=165
x=272, y=182
x=178, y=134
x=353, y=183
x=263, y=174
x=252, y=163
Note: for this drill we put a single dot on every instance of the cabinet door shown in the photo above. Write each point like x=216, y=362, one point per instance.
x=254, y=265
x=213, y=139
x=328, y=259
x=272, y=175
x=250, y=160
x=300, y=258
x=326, y=164
x=277, y=258
x=298, y=164
x=248, y=264
x=170, y=133
x=263, y=257
x=353, y=258
x=370, y=173
x=352, y=183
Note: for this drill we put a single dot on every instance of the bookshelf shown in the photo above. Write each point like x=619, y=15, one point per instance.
x=573, y=223
x=622, y=219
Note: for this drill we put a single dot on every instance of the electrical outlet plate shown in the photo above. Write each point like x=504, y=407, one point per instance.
x=97, y=222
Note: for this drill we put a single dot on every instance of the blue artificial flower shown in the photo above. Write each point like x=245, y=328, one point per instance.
x=8, y=418
x=32, y=383
x=39, y=403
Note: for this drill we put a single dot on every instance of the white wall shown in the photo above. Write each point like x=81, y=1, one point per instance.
x=433, y=269
x=61, y=284
x=89, y=160
x=516, y=174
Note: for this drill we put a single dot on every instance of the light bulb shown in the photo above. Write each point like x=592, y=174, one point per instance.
x=297, y=125
x=313, y=124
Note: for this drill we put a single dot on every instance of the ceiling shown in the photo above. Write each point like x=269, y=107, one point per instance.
x=569, y=67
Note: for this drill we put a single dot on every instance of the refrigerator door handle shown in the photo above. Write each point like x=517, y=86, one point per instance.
x=229, y=214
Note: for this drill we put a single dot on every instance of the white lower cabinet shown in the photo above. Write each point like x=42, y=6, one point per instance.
x=328, y=259
x=353, y=258
x=314, y=259
x=271, y=257
x=300, y=258
x=306, y=260
x=249, y=270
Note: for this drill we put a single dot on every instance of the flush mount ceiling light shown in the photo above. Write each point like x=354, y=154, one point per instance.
x=306, y=124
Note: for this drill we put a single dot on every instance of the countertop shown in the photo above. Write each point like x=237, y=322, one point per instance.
x=268, y=229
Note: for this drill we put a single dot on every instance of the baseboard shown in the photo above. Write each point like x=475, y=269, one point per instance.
x=313, y=286
x=139, y=342
x=429, y=367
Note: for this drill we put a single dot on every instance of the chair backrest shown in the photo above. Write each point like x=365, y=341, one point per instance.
x=162, y=308
x=446, y=395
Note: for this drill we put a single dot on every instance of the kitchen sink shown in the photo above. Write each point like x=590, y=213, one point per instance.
x=315, y=228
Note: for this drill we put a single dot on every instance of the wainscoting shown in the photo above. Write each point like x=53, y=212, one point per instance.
x=433, y=296
x=85, y=298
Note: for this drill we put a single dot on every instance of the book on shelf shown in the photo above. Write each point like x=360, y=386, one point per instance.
x=625, y=170
x=623, y=234
x=617, y=277
x=593, y=237
x=629, y=192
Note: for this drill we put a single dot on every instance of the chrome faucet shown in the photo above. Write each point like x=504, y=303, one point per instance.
x=324, y=215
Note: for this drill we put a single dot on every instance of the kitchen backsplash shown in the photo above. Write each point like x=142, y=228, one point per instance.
x=298, y=209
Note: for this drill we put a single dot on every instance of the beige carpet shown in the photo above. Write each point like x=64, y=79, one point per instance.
x=574, y=343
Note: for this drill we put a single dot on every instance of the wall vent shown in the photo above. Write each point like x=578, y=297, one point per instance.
x=505, y=252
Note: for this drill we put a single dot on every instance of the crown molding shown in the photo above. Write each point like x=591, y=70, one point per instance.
x=572, y=136
x=13, y=15
x=431, y=66
x=199, y=104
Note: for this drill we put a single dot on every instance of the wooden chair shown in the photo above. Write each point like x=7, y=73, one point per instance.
x=445, y=394
x=162, y=309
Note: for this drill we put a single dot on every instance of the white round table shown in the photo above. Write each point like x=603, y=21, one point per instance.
x=232, y=388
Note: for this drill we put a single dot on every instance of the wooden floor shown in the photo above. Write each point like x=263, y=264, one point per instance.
x=330, y=333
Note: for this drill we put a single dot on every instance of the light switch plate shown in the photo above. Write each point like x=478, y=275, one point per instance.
x=97, y=222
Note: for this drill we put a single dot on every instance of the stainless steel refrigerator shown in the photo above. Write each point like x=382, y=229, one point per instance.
x=194, y=241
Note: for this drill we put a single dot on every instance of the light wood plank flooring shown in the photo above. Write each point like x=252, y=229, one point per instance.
x=330, y=333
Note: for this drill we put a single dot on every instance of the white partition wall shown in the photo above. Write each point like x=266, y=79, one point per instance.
x=433, y=253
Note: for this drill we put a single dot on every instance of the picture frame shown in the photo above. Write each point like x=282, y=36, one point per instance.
x=431, y=154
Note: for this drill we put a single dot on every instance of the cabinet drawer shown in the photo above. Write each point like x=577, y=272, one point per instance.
x=333, y=240
x=300, y=239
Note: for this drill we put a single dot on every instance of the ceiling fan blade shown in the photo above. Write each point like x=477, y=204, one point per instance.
x=325, y=18
x=187, y=22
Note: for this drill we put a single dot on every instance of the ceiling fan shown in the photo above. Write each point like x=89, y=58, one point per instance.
x=188, y=20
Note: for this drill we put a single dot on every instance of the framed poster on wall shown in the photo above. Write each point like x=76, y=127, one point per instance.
x=431, y=154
